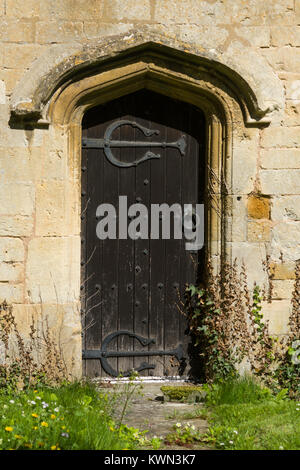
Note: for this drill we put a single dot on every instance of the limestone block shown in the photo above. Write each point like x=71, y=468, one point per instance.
x=53, y=269
x=278, y=313
x=282, y=271
x=284, y=58
x=21, y=165
x=12, y=137
x=96, y=29
x=2, y=92
x=17, y=31
x=261, y=13
x=129, y=10
x=258, y=207
x=292, y=113
x=11, y=249
x=11, y=292
x=286, y=208
x=21, y=9
x=285, y=36
x=285, y=237
x=281, y=137
x=280, y=181
x=64, y=326
x=191, y=12
x=57, y=211
x=237, y=220
x=17, y=226
x=16, y=198
x=292, y=87
x=10, y=77
x=20, y=56
x=11, y=272
x=258, y=231
x=71, y=9
x=253, y=254
x=282, y=289
x=280, y=159
x=244, y=163
x=54, y=32
x=206, y=36
x=256, y=36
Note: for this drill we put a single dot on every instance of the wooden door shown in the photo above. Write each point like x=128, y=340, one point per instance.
x=131, y=288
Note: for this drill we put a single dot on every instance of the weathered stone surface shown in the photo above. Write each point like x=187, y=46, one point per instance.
x=282, y=271
x=280, y=159
x=282, y=289
x=20, y=56
x=17, y=226
x=64, y=326
x=280, y=181
x=57, y=210
x=244, y=163
x=55, y=32
x=55, y=277
x=258, y=207
x=278, y=313
x=11, y=249
x=292, y=113
x=259, y=231
x=258, y=36
x=285, y=237
x=281, y=137
x=17, y=199
x=129, y=10
x=11, y=292
x=11, y=272
x=2, y=92
x=17, y=31
x=252, y=254
x=285, y=36
x=286, y=208
x=96, y=29
x=283, y=58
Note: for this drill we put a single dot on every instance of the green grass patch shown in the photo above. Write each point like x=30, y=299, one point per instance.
x=72, y=416
x=245, y=416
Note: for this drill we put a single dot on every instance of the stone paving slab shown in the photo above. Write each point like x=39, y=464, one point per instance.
x=149, y=412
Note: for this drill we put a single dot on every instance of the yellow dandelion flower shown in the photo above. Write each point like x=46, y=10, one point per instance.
x=8, y=428
x=63, y=427
x=35, y=391
x=53, y=447
x=35, y=428
x=43, y=423
x=34, y=415
x=52, y=416
x=17, y=436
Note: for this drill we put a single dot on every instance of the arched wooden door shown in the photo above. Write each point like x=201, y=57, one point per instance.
x=131, y=288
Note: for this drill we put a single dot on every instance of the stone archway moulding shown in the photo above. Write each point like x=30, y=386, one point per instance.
x=250, y=78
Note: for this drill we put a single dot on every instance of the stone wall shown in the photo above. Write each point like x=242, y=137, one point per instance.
x=39, y=216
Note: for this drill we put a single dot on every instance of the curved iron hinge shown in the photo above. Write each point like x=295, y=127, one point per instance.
x=104, y=354
x=107, y=143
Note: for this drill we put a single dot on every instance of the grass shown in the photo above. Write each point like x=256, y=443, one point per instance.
x=245, y=416
x=72, y=416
